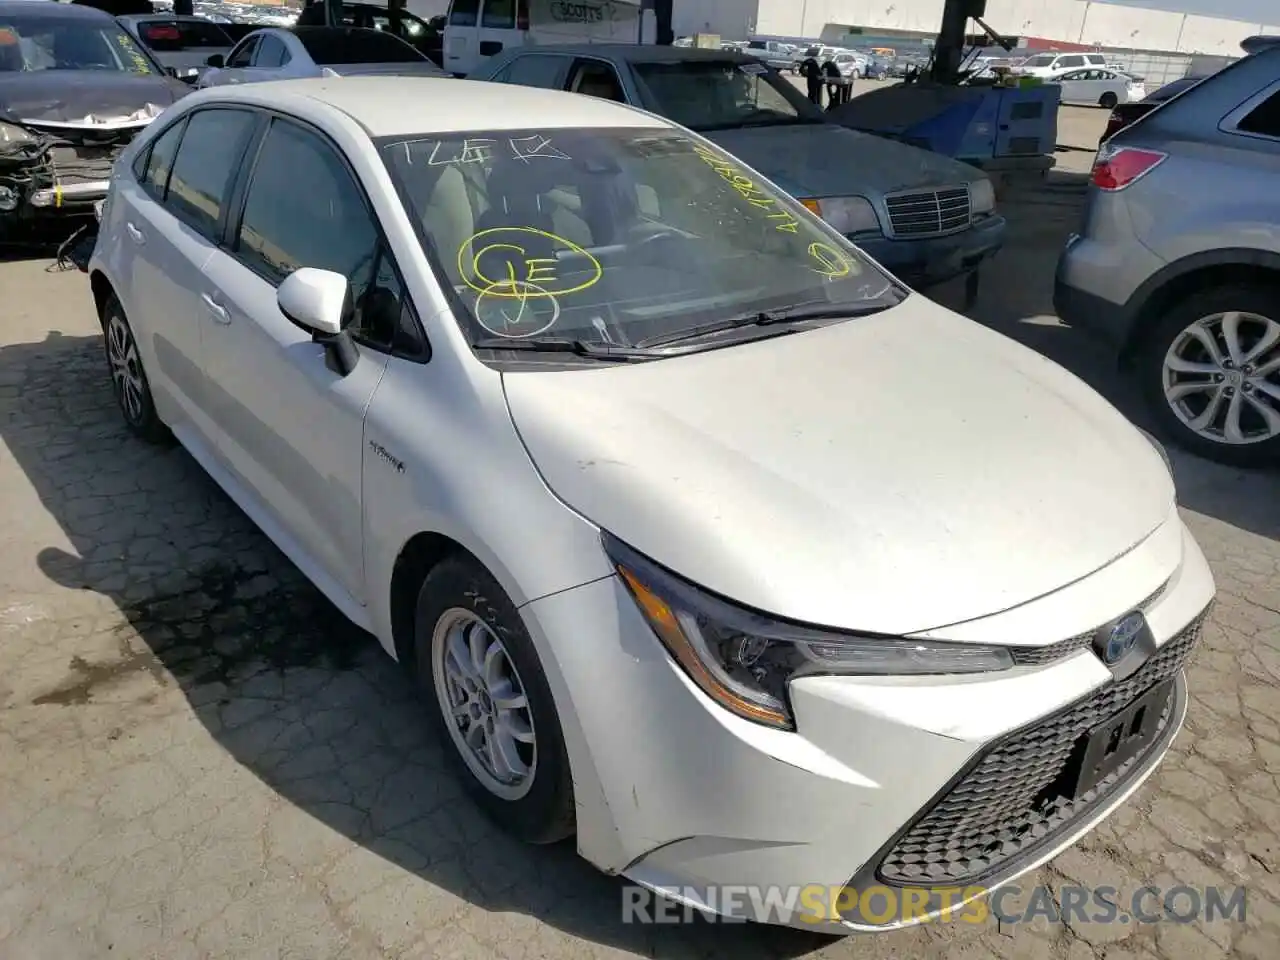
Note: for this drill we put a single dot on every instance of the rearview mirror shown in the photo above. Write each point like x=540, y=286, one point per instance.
x=317, y=301
x=217, y=60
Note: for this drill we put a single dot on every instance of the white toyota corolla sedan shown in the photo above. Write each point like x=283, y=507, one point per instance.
x=705, y=539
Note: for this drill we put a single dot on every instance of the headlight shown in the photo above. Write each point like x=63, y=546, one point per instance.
x=744, y=660
x=845, y=214
x=982, y=196
x=15, y=136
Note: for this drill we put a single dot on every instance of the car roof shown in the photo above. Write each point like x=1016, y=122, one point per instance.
x=49, y=9
x=404, y=106
x=635, y=53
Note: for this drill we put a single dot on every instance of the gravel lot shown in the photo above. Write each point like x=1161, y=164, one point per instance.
x=198, y=759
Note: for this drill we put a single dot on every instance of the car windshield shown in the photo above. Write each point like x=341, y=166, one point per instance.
x=334, y=46
x=721, y=94
x=619, y=237
x=30, y=42
x=1040, y=61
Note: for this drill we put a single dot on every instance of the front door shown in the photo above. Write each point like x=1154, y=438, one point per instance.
x=291, y=428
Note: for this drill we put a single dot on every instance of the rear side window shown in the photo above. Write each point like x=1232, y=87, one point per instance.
x=209, y=155
x=499, y=15
x=155, y=164
x=464, y=13
x=331, y=47
x=535, y=70
x=1264, y=119
x=271, y=53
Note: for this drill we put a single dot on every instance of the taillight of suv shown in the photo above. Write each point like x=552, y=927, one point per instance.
x=1115, y=168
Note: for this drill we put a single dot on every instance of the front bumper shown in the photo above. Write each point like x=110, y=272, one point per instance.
x=933, y=260
x=920, y=786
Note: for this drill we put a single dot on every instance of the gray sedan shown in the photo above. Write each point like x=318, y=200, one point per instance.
x=287, y=53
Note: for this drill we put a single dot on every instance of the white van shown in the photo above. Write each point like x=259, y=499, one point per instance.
x=477, y=29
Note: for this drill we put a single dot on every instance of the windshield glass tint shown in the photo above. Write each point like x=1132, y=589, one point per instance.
x=718, y=94
x=29, y=43
x=615, y=236
x=329, y=46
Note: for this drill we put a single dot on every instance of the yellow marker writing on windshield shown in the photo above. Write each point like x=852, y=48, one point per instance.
x=832, y=264
x=504, y=247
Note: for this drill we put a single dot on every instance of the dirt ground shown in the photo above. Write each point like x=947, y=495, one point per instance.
x=198, y=759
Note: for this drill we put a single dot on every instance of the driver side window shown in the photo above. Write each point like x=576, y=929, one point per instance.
x=271, y=53
x=244, y=56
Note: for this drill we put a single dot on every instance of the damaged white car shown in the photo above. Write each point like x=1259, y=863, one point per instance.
x=75, y=88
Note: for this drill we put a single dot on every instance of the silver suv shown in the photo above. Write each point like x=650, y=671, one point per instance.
x=1177, y=262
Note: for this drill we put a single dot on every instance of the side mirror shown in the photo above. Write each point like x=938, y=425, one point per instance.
x=217, y=60
x=317, y=301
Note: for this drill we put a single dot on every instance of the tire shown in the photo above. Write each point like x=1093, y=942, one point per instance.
x=459, y=600
x=1246, y=385
x=129, y=380
x=1108, y=100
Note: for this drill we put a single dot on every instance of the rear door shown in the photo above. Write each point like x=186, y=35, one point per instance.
x=169, y=220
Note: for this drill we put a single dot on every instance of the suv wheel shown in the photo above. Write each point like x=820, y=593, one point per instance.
x=1108, y=100
x=474, y=658
x=1210, y=372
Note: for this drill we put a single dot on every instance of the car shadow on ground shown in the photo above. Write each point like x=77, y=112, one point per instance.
x=308, y=703
x=1016, y=298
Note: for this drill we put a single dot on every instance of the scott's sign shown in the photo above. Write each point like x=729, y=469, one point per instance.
x=567, y=11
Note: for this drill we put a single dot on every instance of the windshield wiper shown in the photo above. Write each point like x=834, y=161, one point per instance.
x=579, y=348
x=769, y=318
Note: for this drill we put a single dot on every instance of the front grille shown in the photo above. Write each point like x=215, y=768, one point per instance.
x=1039, y=656
x=923, y=213
x=1011, y=801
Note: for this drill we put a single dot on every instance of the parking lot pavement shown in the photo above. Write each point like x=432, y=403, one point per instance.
x=198, y=759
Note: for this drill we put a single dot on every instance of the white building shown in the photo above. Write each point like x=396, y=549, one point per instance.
x=1095, y=23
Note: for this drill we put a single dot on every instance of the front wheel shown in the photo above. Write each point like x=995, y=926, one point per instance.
x=475, y=659
x=1210, y=372
x=1108, y=100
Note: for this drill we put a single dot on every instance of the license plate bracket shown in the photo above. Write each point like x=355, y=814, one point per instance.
x=1120, y=738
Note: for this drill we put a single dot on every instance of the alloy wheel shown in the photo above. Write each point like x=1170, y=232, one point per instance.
x=1221, y=378
x=486, y=710
x=126, y=369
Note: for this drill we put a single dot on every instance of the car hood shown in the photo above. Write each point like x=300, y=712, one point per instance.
x=73, y=96
x=827, y=160
x=896, y=473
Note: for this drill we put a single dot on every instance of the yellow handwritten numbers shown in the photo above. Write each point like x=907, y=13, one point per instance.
x=732, y=174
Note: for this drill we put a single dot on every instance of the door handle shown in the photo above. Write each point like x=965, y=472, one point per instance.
x=136, y=235
x=219, y=312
